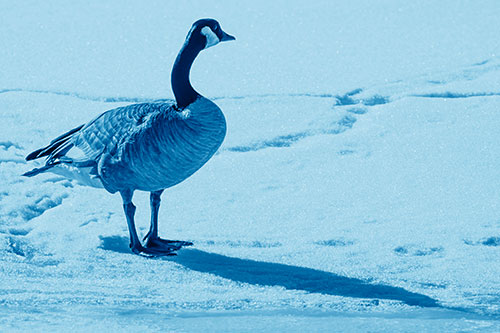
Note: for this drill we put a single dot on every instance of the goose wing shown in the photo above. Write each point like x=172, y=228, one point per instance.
x=104, y=133
x=115, y=127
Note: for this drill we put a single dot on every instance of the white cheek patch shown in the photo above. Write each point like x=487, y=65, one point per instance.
x=212, y=38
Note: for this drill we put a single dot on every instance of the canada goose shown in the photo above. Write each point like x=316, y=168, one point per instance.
x=147, y=147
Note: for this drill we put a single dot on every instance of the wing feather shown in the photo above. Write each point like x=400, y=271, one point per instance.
x=110, y=129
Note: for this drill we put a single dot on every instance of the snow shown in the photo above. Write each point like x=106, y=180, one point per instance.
x=357, y=188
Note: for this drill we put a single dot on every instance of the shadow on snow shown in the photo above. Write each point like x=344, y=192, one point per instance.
x=287, y=276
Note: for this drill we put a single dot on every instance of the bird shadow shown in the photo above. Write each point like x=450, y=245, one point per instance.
x=287, y=276
x=116, y=244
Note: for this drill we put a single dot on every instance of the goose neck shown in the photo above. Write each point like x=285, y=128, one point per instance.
x=181, y=86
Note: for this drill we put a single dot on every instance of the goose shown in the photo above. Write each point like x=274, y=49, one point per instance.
x=148, y=146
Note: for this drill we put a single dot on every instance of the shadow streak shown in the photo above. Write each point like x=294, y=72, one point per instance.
x=287, y=276
x=294, y=277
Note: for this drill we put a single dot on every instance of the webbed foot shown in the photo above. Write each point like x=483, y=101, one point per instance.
x=153, y=251
x=158, y=243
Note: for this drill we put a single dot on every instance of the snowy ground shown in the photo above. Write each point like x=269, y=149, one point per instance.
x=358, y=188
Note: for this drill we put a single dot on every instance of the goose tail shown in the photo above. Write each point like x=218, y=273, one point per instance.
x=37, y=171
x=57, y=148
x=54, y=152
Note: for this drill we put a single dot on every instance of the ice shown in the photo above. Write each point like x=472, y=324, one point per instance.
x=357, y=188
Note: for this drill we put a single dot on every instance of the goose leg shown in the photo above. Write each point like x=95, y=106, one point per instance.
x=135, y=243
x=154, y=200
x=152, y=239
x=129, y=209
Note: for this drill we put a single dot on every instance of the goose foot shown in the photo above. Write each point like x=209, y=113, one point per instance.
x=153, y=251
x=165, y=244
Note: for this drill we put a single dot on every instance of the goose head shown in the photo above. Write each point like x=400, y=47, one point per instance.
x=206, y=33
x=203, y=34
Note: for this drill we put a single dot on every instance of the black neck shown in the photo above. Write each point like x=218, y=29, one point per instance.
x=183, y=91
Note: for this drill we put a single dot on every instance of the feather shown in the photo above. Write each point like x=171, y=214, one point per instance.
x=54, y=145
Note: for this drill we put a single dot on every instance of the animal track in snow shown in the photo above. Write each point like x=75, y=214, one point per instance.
x=18, y=204
x=350, y=99
x=60, y=180
x=40, y=205
x=281, y=141
x=357, y=110
x=417, y=251
x=34, y=207
x=334, y=242
x=359, y=107
x=355, y=102
x=456, y=95
x=5, y=145
x=277, y=142
x=120, y=244
x=19, y=247
x=345, y=123
x=82, y=96
x=19, y=231
x=488, y=241
x=237, y=243
x=345, y=152
x=11, y=152
x=430, y=285
x=471, y=72
x=340, y=126
x=128, y=99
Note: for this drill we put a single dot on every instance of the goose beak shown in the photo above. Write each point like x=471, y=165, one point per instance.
x=226, y=37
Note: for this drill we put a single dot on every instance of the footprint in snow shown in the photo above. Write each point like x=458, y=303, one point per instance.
x=11, y=152
x=23, y=207
x=350, y=99
x=60, y=180
x=417, y=251
x=237, y=244
x=19, y=247
x=40, y=205
x=358, y=110
x=334, y=242
x=487, y=241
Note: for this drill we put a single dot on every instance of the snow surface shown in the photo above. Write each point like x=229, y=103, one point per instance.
x=358, y=188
